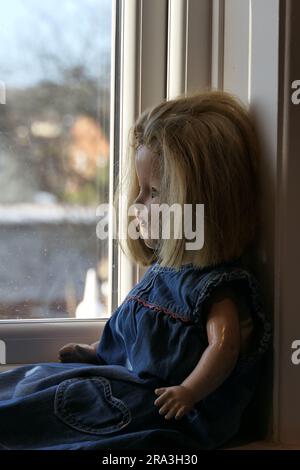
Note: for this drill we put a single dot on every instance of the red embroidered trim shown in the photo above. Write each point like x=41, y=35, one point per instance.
x=158, y=308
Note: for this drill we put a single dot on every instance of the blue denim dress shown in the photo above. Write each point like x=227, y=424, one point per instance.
x=154, y=338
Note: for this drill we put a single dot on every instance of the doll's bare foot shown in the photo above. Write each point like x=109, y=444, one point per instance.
x=73, y=352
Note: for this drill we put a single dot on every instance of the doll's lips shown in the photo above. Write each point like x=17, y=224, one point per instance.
x=141, y=222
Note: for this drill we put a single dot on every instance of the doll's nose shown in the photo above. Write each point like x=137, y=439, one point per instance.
x=139, y=210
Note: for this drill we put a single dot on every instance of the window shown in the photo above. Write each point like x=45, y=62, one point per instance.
x=138, y=46
x=54, y=157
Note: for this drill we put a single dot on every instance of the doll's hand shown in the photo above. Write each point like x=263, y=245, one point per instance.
x=177, y=401
x=73, y=352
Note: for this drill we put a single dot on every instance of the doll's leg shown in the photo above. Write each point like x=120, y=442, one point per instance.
x=74, y=352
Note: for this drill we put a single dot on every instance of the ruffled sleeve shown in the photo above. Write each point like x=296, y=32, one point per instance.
x=241, y=286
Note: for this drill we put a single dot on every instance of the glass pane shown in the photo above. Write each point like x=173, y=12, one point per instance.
x=54, y=157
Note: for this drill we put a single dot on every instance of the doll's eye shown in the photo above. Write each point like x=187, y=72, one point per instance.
x=154, y=192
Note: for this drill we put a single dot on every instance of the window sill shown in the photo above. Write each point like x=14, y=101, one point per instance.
x=5, y=367
x=262, y=445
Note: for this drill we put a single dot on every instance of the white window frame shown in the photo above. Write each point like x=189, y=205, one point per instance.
x=260, y=62
x=287, y=259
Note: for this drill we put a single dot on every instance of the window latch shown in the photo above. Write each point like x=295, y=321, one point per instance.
x=2, y=352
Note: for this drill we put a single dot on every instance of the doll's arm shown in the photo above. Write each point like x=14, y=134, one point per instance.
x=214, y=366
x=219, y=358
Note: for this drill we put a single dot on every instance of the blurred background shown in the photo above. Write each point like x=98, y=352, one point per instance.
x=54, y=157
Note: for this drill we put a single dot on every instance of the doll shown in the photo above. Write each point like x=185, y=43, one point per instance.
x=202, y=329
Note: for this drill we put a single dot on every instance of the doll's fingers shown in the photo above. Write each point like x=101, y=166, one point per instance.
x=171, y=413
x=166, y=407
x=162, y=399
x=180, y=413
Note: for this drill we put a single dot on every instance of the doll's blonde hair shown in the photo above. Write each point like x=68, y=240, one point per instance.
x=207, y=151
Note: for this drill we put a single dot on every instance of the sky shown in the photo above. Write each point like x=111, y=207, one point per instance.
x=39, y=39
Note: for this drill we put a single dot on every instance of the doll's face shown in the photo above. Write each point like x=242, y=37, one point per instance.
x=149, y=181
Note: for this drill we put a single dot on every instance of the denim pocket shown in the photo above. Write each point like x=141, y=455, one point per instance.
x=88, y=405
